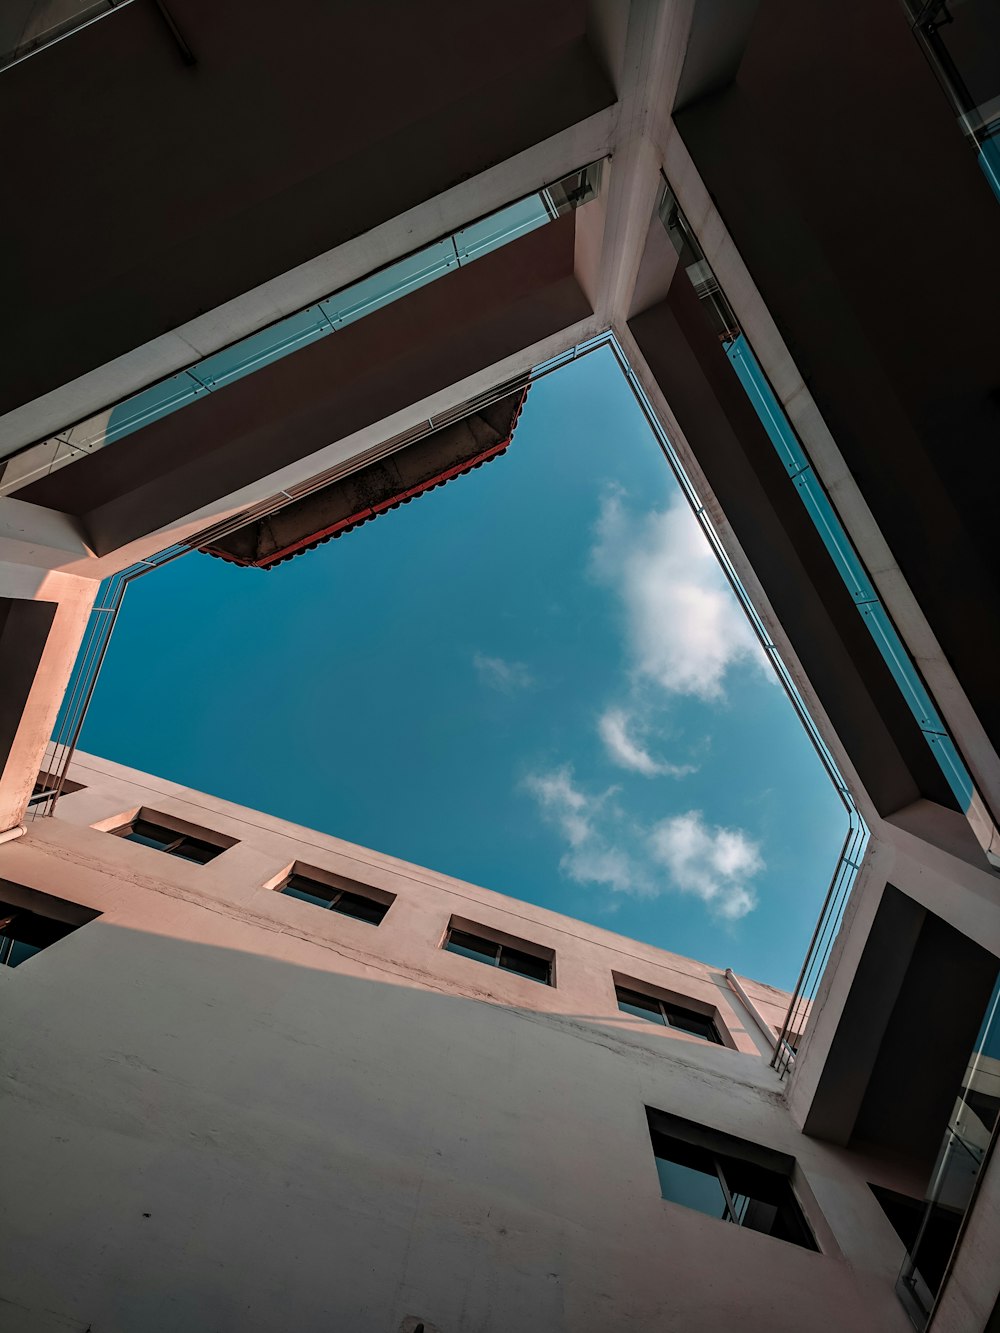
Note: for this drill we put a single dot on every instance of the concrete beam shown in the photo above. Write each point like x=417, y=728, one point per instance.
x=657, y=37
x=745, y=571
x=378, y=243
x=828, y=461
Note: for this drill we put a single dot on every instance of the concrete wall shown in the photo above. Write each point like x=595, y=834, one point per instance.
x=234, y=1111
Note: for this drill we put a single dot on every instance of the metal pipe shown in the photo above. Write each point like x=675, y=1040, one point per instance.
x=16, y=832
x=736, y=986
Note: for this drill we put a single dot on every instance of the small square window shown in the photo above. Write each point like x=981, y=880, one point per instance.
x=30, y=921
x=336, y=898
x=172, y=841
x=519, y=957
x=726, y=1178
x=668, y=1013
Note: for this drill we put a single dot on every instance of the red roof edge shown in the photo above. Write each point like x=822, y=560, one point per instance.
x=403, y=497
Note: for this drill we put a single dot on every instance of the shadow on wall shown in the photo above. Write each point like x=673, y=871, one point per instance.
x=217, y=1140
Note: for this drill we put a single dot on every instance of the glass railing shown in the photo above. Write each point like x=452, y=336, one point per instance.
x=25, y=27
x=817, y=503
x=962, y=43
x=325, y=317
x=960, y=1162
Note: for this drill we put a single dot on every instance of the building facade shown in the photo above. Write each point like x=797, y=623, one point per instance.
x=255, y=258
x=239, y=1107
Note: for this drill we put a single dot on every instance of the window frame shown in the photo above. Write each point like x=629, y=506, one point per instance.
x=500, y=941
x=723, y=1148
x=666, y=1008
x=333, y=888
x=17, y=899
x=182, y=832
x=668, y=999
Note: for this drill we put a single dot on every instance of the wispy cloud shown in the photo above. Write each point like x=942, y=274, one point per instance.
x=716, y=864
x=617, y=729
x=590, y=857
x=564, y=804
x=498, y=674
x=685, y=629
x=682, y=854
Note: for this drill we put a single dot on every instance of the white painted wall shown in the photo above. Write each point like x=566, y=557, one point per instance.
x=229, y=1110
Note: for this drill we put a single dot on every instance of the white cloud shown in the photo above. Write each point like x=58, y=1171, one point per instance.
x=616, y=728
x=685, y=628
x=590, y=857
x=715, y=864
x=564, y=805
x=501, y=675
x=681, y=854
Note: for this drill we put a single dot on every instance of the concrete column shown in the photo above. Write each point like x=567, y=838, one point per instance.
x=39, y=647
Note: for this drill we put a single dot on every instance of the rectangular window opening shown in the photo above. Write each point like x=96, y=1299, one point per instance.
x=174, y=841
x=30, y=921
x=668, y=1013
x=726, y=1178
x=504, y=952
x=47, y=784
x=358, y=901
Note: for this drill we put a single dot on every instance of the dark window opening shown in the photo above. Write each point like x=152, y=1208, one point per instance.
x=356, y=905
x=46, y=785
x=504, y=956
x=668, y=1014
x=726, y=1178
x=936, y=1228
x=188, y=848
x=25, y=932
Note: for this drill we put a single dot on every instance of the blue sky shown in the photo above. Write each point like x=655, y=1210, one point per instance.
x=534, y=678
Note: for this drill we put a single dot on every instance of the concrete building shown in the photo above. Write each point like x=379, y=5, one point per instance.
x=254, y=259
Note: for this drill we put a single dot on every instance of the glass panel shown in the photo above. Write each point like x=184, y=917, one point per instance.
x=686, y=1020
x=961, y=42
x=763, y=1200
x=578, y=188
x=966, y=1141
x=295, y=891
x=631, y=1002
x=388, y=285
x=20, y=952
x=525, y=964
x=989, y=161
x=260, y=349
x=158, y=401
x=149, y=835
x=308, y=890
x=194, y=849
x=501, y=228
x=688, y=1177
x=359, y=907
x=471, y=946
